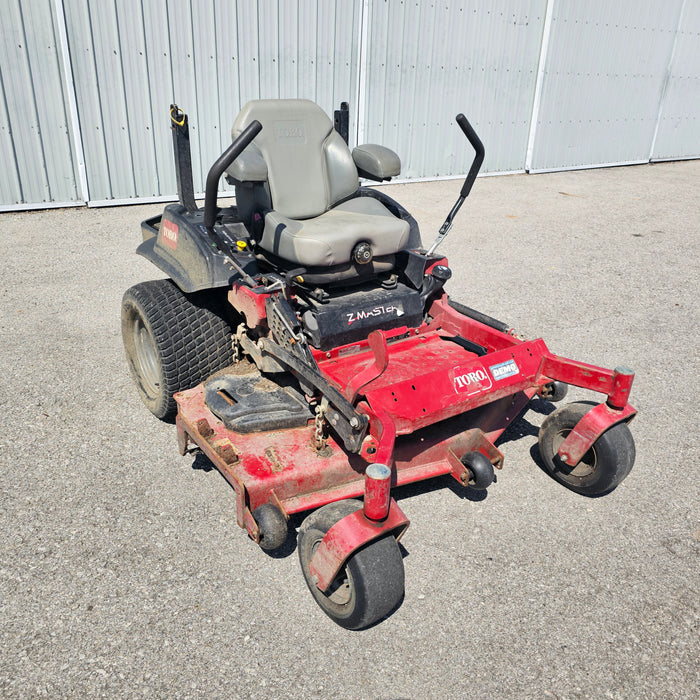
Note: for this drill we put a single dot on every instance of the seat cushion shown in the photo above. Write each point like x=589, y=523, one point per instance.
x=309, y=166
x=329, y=239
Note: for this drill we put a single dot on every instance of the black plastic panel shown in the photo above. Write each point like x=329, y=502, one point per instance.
x=181, y=248
x=251, y=403
x=352, y=316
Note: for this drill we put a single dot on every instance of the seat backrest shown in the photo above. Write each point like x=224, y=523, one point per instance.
x=310, y=167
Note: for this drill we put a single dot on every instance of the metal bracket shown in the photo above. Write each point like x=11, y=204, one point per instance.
x=473, y=440
x=590, y=428
x=350, y=425
x=378, y=346
x=347, y=536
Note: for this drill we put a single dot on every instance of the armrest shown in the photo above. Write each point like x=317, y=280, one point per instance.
x=250, y=166
x=376, y=162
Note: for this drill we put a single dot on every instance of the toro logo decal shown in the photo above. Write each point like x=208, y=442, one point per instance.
x=470, y=380
x=504, y=369
x=168, y=234
x=289, y=131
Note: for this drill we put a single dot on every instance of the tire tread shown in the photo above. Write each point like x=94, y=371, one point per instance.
x=615, y=450
x=191, y=334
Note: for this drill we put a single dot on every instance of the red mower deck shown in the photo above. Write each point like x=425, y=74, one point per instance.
x=411, y=383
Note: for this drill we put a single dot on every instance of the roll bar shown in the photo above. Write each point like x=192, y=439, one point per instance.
x=219, y=167
x=212, y=187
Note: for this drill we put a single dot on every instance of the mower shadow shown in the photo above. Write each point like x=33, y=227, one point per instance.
x=522, y=427
x=541, y=406
x=202, y=463
x=439, y=483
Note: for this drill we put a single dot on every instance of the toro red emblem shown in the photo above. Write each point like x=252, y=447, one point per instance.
x=168, y=234
x=470, y=379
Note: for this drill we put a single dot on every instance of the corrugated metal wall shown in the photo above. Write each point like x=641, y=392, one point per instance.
x=429, y=61
x=678, y=134
x=38, y=156
x=602, y=82
x=548, y=84
x=133, y=58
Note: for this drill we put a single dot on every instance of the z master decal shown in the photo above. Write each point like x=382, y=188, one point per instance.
x=376, y=311
x=168, y=234
x=470, y=380
x=504, y=369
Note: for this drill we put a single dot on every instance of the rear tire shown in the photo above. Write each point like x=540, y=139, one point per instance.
x=602, y=468
x=173, y=341
x=370, y=584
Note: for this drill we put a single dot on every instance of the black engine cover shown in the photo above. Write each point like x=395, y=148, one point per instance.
x=352, y=316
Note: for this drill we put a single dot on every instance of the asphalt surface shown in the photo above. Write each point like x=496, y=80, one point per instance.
x=124, y=574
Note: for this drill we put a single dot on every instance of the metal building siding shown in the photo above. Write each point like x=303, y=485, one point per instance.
x=274, y=49
x=39, y=164
x=137, y=97
x=160, y=89
x=134, y=58
x=429, y=61
x=311, y=51
x=88, y=90
x=619, y=82
x=678, y=133
x=603, y=80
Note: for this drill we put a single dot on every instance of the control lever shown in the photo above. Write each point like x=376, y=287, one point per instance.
x=475, y=141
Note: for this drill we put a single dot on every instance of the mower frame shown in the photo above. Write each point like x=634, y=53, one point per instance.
x=413, y=402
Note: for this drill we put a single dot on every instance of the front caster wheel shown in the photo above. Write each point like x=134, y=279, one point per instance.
x=554, y=391
x=481, y=474
x=272, y=525
x=602, y=468
x=370, y=584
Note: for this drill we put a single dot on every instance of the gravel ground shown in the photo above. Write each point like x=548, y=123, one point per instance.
x=124, y=574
